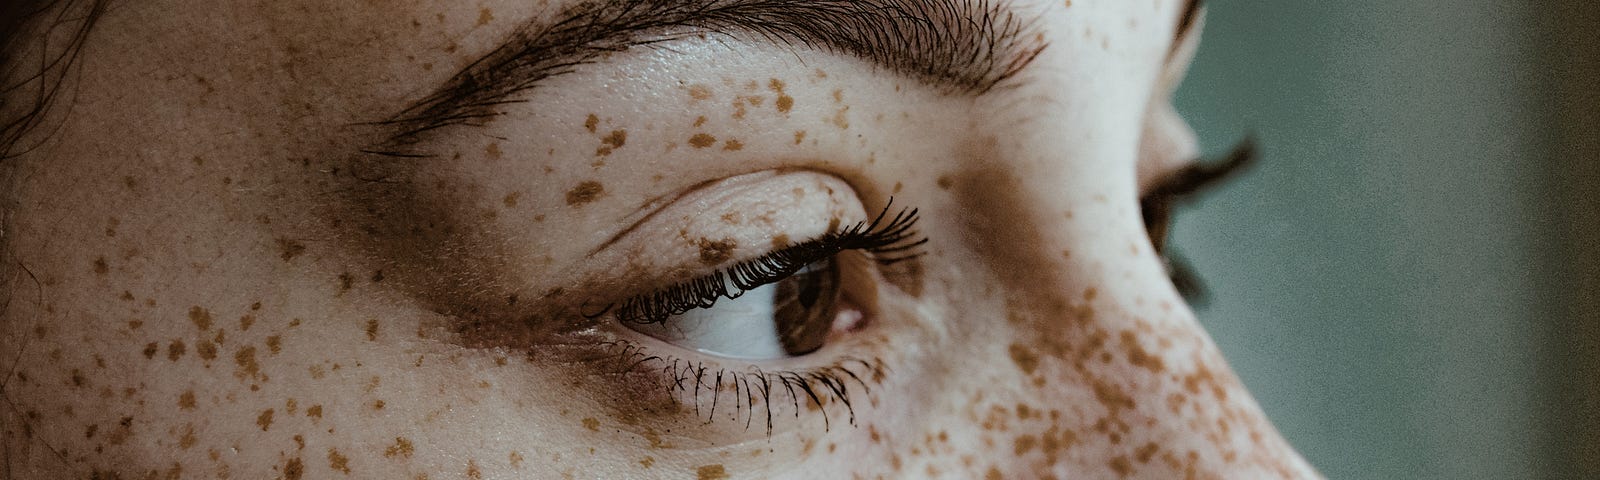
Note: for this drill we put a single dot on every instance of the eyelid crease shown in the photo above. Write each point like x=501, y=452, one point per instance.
x=648, y=211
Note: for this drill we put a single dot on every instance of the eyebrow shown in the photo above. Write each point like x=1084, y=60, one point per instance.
x=957, y=46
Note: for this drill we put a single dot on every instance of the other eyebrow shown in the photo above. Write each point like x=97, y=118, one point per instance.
x=959, y=46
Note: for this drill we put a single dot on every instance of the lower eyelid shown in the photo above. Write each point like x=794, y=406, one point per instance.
x=741, y=395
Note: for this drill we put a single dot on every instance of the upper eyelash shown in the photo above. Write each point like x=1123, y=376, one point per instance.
x=888, y=242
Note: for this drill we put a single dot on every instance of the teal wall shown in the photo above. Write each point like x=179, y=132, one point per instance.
x=1387, y=280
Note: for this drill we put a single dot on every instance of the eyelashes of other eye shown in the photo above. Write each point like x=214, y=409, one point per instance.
x=1157, y=208
x=888, y=240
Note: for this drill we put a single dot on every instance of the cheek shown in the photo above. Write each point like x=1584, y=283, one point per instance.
x=1110, y=379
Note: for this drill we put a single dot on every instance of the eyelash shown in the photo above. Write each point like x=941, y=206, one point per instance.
x=754, y=387
x=1157, y=208
x=888, y=243
x=888, y=240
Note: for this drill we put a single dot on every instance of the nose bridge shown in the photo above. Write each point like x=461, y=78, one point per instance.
x=1115, y=376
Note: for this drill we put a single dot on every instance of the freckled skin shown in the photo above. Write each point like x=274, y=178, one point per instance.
x=262, y=301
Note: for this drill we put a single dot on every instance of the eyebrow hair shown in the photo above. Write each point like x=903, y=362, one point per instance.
x=957, y=46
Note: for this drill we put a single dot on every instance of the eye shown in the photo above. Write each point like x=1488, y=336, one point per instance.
x=786, y=303
x=788, y=318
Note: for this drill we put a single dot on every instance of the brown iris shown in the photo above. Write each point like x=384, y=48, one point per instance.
x=805, y=305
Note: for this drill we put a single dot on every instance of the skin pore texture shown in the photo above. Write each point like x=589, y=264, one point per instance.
x=207, y=277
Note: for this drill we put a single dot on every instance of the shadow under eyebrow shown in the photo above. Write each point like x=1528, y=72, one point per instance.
x=958, y=46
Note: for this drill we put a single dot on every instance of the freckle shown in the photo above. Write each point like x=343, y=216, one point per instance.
x=992, y=474
x=897, y=187
x=780, y=241
x=616, y=139
x=647, y=462
x=293, y=469
x=294, y=323
x=246, y=321
x=186, y=400
x=699, y=92
x=378, y=404
x=492, y=151
x=1025, y=359
x=275, y=344
x=206, y=350
x=1144, y=453
x=150, y=350
x=702, y=140
x=585, y=192
x=176, y=350
x=264, y=420
x=799, y=136
x=485, y=16
x=841, y=118
x=733, y=145
x=200, y=317
x=372, y=329
x=516, y=460
x=402, y=448
x=100, y=266
x=785, y=103
x=188, y=438
x=592, y=123
x=716, y=252
x=1023, y=444
x=288, y=249
x=701, y=120
x=945, y=182
x=338, y=461
x=315, y=411
x=591, y=423
x=246, y=359
x=711, y=472
x=1122, y=466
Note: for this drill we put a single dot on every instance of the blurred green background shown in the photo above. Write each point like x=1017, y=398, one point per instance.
x=1407, y=280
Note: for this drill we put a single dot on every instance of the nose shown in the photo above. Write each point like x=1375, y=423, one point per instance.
x=1093, y=367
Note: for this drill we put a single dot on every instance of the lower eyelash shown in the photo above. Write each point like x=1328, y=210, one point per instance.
x=755, y=389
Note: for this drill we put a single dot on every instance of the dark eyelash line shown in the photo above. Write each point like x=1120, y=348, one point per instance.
x=1158, y=204
x=813, y=387
x=888, y=242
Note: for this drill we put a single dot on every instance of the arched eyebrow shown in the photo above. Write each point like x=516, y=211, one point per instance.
x=958, y=46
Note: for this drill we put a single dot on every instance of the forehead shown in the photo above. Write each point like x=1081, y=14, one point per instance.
x=376, y=57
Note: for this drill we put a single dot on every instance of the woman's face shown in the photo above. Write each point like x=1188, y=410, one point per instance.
x=310, y=240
